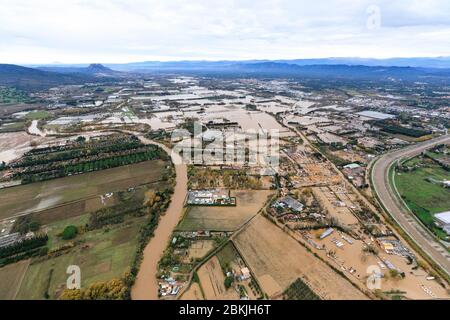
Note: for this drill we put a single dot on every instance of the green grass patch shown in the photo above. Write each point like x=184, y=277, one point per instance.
x=102, y=255
x=425, y=198
x=12, y=127
x=38, y=115
x=226, y=256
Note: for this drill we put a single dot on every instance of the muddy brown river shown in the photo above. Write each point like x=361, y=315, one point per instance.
x=146, y=285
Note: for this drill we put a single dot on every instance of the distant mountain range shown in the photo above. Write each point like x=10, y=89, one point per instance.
x=412, y=69
x=346, y=71
x=417, y=69
x=97, y=70
x=440, y=62
x=43, y=78
x=29, y=78
x=319, y=68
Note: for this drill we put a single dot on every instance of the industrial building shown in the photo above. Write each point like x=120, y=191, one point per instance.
x=443, y=220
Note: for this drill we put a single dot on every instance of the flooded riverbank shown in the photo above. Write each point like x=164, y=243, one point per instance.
x=146, y=285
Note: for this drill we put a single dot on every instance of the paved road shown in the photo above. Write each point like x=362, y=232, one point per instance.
x=380, y=179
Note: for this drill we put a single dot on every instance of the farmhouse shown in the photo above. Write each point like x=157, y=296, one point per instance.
x=213, y=197
x=291, y=203
x=245, y=274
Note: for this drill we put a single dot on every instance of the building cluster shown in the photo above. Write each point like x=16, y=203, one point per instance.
x=210, y=197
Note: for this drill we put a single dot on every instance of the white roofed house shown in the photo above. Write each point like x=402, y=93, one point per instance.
x=443, y=220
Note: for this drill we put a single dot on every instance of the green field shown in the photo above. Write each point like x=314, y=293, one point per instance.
x=12, y=127
x=423, y=197
x=103, y=255
x=43, y=195
x=38, y=115
x=227, y=255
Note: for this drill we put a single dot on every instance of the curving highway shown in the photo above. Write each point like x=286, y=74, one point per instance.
x=386, y=195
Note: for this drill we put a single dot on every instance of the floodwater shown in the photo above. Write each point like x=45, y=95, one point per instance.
x=247, y=120
x=146, y=285
x=34, y=130
x=13, y=145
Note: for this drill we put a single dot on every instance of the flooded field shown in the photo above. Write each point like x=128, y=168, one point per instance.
x=193, y=293
x=14, y=145
x=272, y=254
x=42, y=195
x=34, y=130
x=247, y=120
x=212, y=281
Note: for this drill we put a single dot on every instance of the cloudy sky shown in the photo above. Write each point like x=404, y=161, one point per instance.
x=85, y=31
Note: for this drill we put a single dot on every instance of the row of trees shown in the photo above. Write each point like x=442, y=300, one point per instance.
x=232, y=179
x=299, y=290
x=23, y=245
x=39, y=168
x=84, y=151
x=115, y=289
x=114, y=215
x=25, y=224
x=151, y=153
x=158, y=206
x=395, y=128
x=23, y=250
x=113, y=162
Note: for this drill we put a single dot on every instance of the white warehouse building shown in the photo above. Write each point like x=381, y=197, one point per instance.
x=443, y=219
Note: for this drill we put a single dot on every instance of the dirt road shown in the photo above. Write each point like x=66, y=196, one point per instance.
x=146, y=285
x=380, y=180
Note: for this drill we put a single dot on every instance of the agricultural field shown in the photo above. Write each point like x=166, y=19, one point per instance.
x=12, y=126
x=220, y=277
x=81, y=156
x=199, y=249
x=212, y=281
x=11, y=277
x=193, y=293
x=104, y=254
x=249, y=202
x=38, y=115
x=52, y=193
x=300, y=291
x=277, y=261
x=422, y=191
x=104, y=245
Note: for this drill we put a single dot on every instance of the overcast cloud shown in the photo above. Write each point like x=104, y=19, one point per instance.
x=84, y=31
